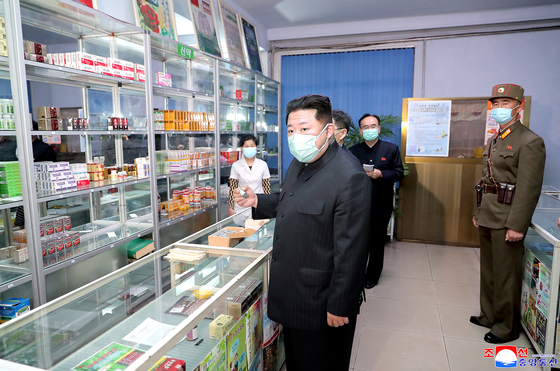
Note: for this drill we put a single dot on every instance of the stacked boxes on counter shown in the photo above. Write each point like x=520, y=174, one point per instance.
x=49, y=119
x=58, y=242
x=3, y=40
x=229, y=156
x=54, y=176
x=117, y=123
x=176, y=161
x=142, y=167
x=35, y=52
x=10, y=181
x=79, y=171
x=7, y=121
x=244, y=297
x=21, y=253
x=170, y=120
x=96, y=171
x=7, y=252
x=97, y=64
x=186, y=201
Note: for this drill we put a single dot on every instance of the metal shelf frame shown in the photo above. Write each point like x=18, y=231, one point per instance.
x=86, y=25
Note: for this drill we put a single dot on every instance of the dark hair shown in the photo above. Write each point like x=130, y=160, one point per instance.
x=247, y=137
x=318, y=102
x=35, y=125
x=341, y=119
x=368, y=115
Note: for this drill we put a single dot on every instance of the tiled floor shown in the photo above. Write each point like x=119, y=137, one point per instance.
x=417, y=317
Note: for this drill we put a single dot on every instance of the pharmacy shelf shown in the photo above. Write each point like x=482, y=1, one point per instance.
x=88, y=132
x=165, y=49
x=45, y=196
x=223, y=166
x=242, y=103
x=168, y=222
x=126, y=234
x=222, y=132
x=271, y=109
x=70, y=18
x=7, y=133
x=15, y=283
x=9, y=205
x=171, y=92
x=169, y=132
x=194, y=171
x=51, y=74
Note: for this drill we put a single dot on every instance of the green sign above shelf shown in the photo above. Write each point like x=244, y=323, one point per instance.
x=185, y=51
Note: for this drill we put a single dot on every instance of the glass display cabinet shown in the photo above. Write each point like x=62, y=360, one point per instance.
x=541, y=278
x=119, y=317
x=108, y=134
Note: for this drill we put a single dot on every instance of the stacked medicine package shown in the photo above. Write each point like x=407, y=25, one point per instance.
x=10, y=181
x=58, y=241
x=3, y=40
x=54, y=176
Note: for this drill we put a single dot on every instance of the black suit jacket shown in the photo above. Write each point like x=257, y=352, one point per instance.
x=320, y=240
x=387, y=158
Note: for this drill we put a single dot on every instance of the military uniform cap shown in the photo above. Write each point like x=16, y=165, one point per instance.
x=507, y=91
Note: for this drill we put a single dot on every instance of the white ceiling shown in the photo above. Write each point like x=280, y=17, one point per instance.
x=289, y=13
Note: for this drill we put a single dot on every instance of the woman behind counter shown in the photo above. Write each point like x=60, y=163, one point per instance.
x=249, y=171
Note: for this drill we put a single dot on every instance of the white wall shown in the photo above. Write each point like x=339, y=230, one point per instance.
x=470, y=66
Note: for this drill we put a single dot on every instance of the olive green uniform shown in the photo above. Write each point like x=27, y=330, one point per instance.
x=517, y=158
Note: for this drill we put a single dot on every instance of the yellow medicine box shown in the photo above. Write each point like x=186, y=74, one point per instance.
x=220, y=326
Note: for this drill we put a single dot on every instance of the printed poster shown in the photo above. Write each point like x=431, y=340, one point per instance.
x=492, y=127
x=233, y=37
x=543, y=290
x=528, y=267
x=541, y=330
x=111, y=358
x=428, y=128
x=236, y=347
x=270, y=328
x=216, y=360
x=251, y=45
x=157, y=16
x=254, y=331
x=89, y=3
x=205, y=28
x=258, y=363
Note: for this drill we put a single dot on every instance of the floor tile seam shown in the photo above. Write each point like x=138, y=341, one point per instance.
x=406, y=332
x=455, y=265
x=413, y=278
x=444, y=343
x=357, y=348
x=488, y=345
x=439, y=280
x=404, y=300
x=459, y=306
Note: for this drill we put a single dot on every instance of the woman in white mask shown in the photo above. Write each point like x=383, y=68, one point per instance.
x=248, y=171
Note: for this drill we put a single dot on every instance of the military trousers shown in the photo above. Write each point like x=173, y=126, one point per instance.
x=501, y=270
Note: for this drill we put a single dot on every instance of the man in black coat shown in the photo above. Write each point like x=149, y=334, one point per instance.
x=320, y=241
x=387, y=169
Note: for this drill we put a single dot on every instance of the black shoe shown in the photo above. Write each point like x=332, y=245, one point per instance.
x=370, y=284
x=474, y=320
x=493, y=339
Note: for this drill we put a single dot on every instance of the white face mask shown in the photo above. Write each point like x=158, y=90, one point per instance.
x=304, y=147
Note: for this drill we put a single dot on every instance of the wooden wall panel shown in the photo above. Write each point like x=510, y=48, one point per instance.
x=437, y=202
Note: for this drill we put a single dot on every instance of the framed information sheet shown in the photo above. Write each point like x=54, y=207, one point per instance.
x=230, y=21
x=156, y=16
x=251, y=44
x=202, y=16
x=428, y=128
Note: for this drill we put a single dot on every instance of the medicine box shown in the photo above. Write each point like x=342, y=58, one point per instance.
x=163, y=79
x=220, y=326
x=12, y=308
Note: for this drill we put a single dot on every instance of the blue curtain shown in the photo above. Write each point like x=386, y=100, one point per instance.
x=356, y=82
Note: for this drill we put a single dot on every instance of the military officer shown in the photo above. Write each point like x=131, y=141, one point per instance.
x=507, y=195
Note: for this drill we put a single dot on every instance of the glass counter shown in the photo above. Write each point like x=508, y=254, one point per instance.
x=541, y=275
x=120, y=314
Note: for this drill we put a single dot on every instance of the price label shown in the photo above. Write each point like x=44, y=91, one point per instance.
x=10, y=285
x=133, y=216
x=72, y=261
x=112, y=234
x=185, y=51
x=112, y=245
